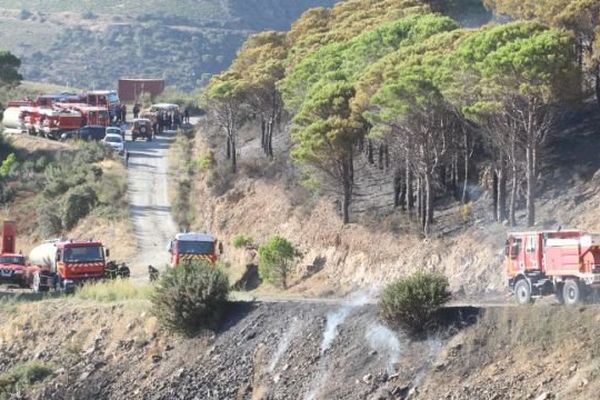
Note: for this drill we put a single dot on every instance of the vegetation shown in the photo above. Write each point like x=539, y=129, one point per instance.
x=190, y=298
x=184, y=42
x=240, y=241
x=386, y=78
x=184, y=170
x=274, y=261
x=21, y=377
x=412, y=302
x=113, y=291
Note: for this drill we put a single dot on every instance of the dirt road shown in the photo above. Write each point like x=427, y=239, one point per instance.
x=149, y=207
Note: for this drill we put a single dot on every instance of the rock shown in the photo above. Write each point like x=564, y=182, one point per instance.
x=285, y=367
x=573, y=368
x=544, y=396
x=276, y=378
x=83, y=376
x=584, y=382
x=156, y=358
x=367, y=378
x=373, y=353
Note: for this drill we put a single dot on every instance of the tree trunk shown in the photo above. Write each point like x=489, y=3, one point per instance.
x=501, y=193
x=387, y=155
x=465, y=192
x=428, y=204
x=398, y=185
x=409, y=188
x=597, y=83
x=419, y=194
x=380, y=158
x=370, y=151
x=228, y=147
x=270, y=127
x=530, y=175
x=347, y=184
x=513, y=196
x=233, y=157
x=263, y=132
x=454, y=177
x=495, y=194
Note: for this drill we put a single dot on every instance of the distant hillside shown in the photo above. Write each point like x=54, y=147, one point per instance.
x=92, y=43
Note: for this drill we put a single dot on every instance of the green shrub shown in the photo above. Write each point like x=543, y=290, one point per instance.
x=190, y=297
x=412, y=302
x=48, y=220
x=240, y=241
x=274, y=261
x=78, y=204
x=204, y=161
x=21, y=377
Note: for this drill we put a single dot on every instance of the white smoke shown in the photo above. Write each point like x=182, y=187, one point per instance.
x=284, y=343
x=336, y=318
x=384, y=341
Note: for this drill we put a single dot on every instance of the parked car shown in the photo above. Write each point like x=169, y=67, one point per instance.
x=115, y=130
x=142, y=127
x=115, y=141
x=88, y=132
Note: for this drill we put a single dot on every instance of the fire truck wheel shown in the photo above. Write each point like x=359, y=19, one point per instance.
x=36, y=282
x=560, y=293
x=573, y=292
x=523, y=292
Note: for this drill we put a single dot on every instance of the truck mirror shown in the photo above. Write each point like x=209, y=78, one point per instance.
x=107, y=253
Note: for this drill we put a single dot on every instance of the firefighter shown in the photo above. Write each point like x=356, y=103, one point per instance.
x=126, y=158
x=136, y=110
x=124, y=113
x=186, y=115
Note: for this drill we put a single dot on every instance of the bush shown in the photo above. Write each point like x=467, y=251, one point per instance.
x=78, y=204
x=190, y=297
x=48, y=220
x=412, y=302
x=21, y=377
x=240, y=241
x=274, y=261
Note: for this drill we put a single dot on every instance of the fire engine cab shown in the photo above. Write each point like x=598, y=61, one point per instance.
x=565, y=263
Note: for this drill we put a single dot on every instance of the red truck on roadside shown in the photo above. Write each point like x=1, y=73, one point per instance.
x=12, y=264
x=565, y=263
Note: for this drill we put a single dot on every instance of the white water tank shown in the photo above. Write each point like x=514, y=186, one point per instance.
x=44, y=256
x=11, y=119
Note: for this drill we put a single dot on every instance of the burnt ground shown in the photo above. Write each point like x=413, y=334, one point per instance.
x=287, y=350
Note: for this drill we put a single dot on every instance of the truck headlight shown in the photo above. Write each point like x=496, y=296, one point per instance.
x=18, y=271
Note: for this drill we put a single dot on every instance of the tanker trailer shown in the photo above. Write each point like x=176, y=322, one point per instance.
x=12, y=120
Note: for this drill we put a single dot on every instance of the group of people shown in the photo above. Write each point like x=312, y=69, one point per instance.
x=120, y=114
x=170, y=120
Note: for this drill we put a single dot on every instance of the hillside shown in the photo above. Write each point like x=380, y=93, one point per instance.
x=92, y=43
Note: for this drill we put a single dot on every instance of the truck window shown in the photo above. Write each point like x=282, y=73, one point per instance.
x=515, y=248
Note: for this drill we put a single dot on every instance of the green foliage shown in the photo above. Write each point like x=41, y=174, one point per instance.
x=412, y=302
x=240, y=241
x=78, y=203
x=190, y=298
x=49, y=221
x=9, y=69
x=7, y=164
x=274, y=261
x=23, y=376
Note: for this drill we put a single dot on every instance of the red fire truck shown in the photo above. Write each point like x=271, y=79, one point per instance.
x=194, y=246
x=565, y=263
x=12, y=265
x=62, y=264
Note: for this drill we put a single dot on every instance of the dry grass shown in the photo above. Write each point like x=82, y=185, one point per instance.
x=117, y=290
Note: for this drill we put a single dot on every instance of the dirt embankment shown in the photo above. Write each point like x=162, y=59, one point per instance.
x=263, y=199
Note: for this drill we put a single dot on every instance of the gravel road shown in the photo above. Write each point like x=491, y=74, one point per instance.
x=149, y=207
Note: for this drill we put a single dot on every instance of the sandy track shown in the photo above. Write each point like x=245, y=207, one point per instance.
x=149, y=207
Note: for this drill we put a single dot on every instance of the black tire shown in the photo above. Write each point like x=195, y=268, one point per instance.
x=573, y=292
x=559, y=293
x=523, y=292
